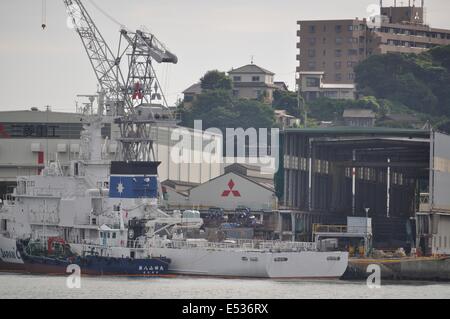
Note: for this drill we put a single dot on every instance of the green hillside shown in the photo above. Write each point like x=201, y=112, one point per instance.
x=393, y=83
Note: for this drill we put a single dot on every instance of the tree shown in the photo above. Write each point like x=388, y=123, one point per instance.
x=253, y=113
x=286, y=100
x=418, y=81
x=216, y=80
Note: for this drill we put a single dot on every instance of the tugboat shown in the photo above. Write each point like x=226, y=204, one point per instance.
x=55, y=256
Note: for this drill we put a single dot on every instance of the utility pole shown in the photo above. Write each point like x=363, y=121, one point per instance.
x=299, y=104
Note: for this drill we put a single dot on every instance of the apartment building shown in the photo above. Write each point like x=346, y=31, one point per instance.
x=335, y=47
x=312, y=86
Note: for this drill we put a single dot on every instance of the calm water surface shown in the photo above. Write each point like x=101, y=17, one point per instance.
x=30, y=286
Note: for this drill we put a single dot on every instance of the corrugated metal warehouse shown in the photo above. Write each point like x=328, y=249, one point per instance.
x=381, y=173
x=29, y=139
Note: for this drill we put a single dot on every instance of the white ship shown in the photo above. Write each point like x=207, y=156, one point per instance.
x=92, y=209
x=253, y=259
x=110, y=208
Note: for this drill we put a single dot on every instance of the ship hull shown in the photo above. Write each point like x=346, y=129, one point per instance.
x=12, y=259
x=98, y=266
x=254, y=264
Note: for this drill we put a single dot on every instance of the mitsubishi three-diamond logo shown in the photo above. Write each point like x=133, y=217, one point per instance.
x=229, y=191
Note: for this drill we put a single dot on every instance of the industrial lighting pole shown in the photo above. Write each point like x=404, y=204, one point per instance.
x=305, y=115
x=354, y=183
x=388, y=188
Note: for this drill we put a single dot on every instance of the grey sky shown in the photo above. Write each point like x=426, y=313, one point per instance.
x=49, y=67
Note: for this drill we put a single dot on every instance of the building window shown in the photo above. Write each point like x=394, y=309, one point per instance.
x=188, y=98
x=255, y=79
x=236, y=78
x=338, y=53
x=350, y=27
x=331, y=94
x=338, y=76
x=338, y=28
x=312, y=82
x=337, y=64
x=312, y=41
x=311, y=53
x=312, y=29
x=352, y=52
x=312, y=65
x=338, y=40
x=235, y=93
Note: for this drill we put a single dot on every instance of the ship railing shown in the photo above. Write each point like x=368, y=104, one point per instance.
x=124, y=243
x=246, y=244
x=319, y=228
x=183, y=244
x=47, y=191
x=8, y=200
x=277, y=245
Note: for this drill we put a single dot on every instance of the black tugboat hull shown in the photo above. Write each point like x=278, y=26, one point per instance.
x=13, y=258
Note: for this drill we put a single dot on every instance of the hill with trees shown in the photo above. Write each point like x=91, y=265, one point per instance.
x=397, y=83
x=217, y=107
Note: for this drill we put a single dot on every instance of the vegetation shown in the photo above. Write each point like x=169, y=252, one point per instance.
x=394, y=83
x=217, y=107
x=411, y=83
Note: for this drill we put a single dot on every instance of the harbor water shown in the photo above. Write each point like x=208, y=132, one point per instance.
x=31, y=286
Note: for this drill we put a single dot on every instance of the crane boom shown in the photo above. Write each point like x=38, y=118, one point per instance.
x=106, y=66
x=131, y=100
x=146, y=42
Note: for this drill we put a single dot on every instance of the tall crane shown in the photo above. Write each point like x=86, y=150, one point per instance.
x=129, y=100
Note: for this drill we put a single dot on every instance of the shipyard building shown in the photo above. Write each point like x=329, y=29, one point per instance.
x=31, y=138
x=398, y=178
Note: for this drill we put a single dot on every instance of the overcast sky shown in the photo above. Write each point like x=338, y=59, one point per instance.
x=50, y=67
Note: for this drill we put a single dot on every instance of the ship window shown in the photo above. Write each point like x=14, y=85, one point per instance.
x=244, y=259
x=109, y=235
x=333, y=258
x=253, y=258
x=4, y=225
x=280, y=259
x=132, y=254
x=114, y=235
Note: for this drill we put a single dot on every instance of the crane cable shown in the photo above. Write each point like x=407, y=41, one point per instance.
x=44, y=15
x=106, y=14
